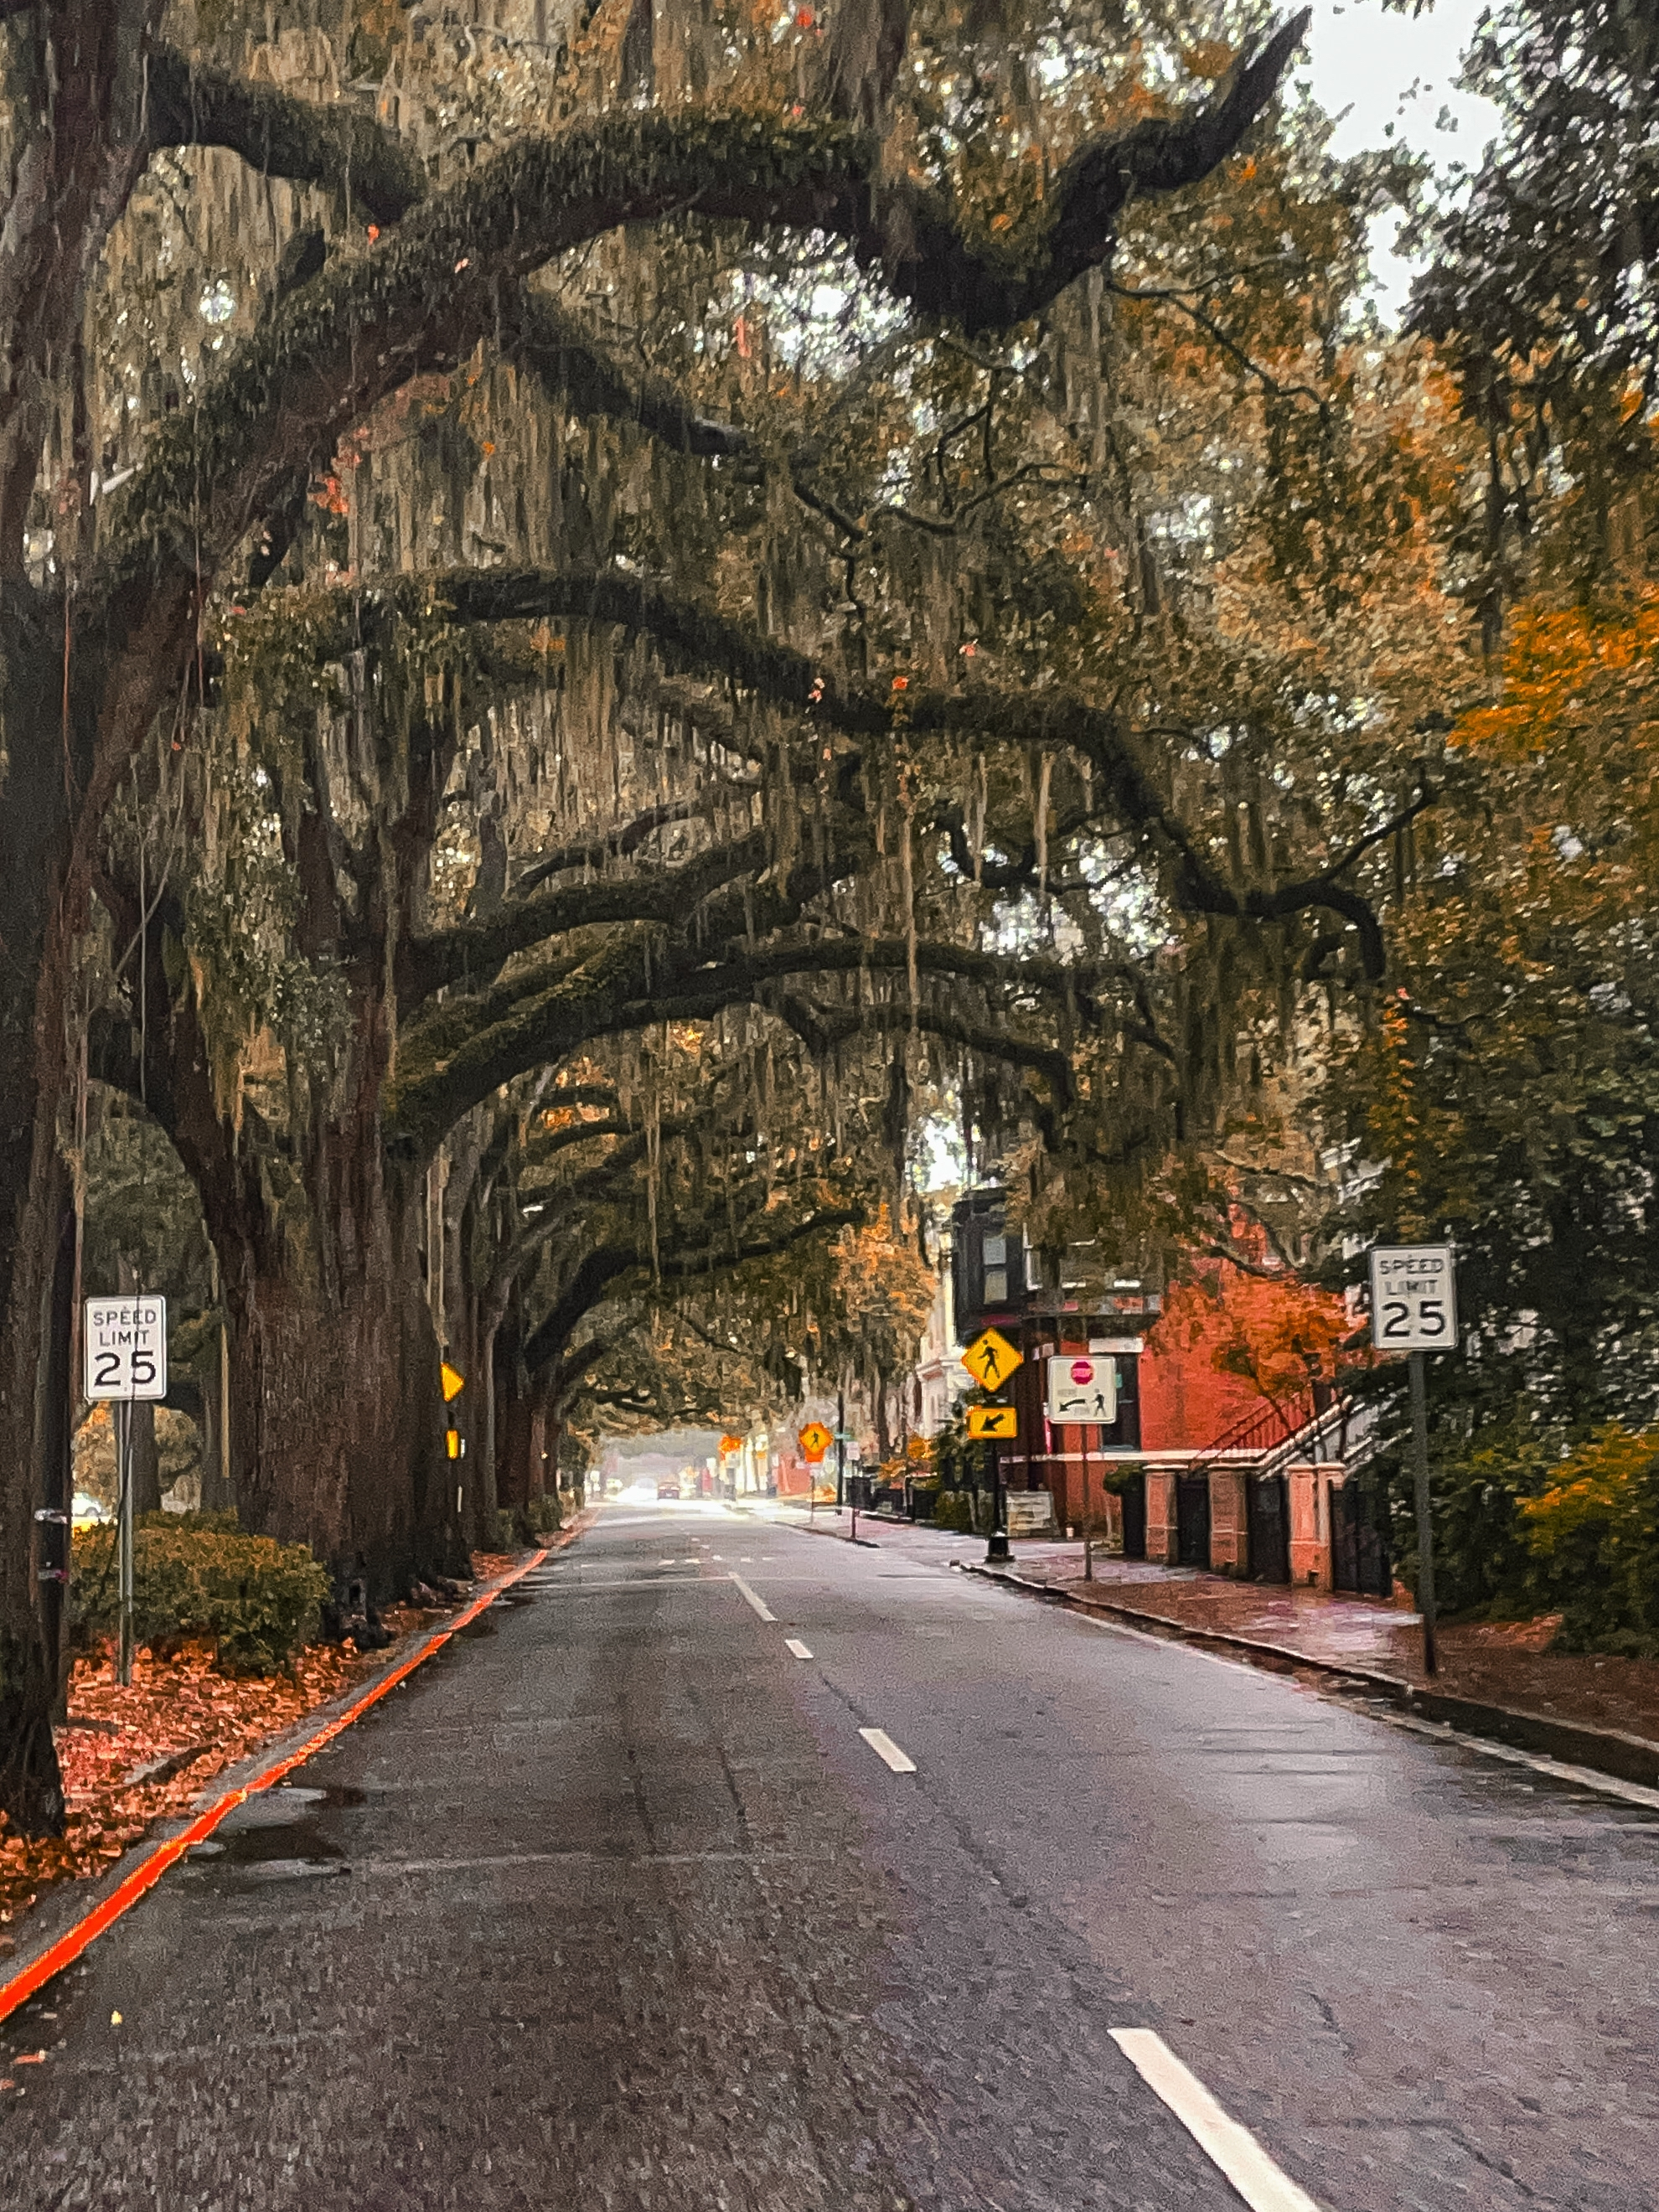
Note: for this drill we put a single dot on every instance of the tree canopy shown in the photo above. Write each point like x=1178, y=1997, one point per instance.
x=607, y=611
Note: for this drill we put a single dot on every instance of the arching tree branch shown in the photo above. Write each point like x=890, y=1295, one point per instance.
x=601, y=1269
x=190, y=103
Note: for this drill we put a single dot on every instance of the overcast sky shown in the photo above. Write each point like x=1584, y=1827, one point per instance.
x=1391, y=68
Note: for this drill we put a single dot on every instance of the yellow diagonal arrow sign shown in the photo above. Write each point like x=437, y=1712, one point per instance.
x=992, y=1421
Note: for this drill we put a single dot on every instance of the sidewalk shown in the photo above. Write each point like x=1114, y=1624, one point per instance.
x=1506, y=1664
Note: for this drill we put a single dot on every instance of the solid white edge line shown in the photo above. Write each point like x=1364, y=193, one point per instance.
x=884, y=1748
x=1264, y=2186
x=793, y=1643
x=750, y=1598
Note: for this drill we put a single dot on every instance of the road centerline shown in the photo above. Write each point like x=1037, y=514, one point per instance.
x=884, y=1748
x=1264, y=2186
x=793, y=1643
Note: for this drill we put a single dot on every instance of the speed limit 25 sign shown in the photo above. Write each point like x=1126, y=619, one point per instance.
x=1413, y=1297
x=126, y=1347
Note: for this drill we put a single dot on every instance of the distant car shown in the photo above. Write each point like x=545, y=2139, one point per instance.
x=642, y=1493
x=86, y=1512
x=668, y=1485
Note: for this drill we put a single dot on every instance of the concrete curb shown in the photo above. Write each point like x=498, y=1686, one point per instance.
x=1604, y=1751
x=806, y=1528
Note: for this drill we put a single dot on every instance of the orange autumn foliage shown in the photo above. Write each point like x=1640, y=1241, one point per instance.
x=1277, y=1334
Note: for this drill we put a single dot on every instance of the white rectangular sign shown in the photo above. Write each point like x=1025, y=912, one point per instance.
x=1081, y=1387
x=1413, y=1297
x=126, y=1347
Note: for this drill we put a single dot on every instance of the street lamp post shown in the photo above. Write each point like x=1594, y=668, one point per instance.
x=841, y=1448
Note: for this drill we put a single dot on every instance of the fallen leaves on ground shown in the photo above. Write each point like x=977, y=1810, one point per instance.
x=176, y=1705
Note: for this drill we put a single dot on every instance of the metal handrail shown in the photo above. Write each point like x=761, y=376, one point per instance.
x=1344, y=1418
x=1263, y=1429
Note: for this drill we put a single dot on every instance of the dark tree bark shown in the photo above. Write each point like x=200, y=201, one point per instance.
x=143, y=1459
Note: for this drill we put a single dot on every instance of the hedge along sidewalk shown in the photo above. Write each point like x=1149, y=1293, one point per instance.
x=1568, y=1739
x=139, y=1869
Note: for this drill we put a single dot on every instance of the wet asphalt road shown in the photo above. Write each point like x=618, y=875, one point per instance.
x=611, y=1905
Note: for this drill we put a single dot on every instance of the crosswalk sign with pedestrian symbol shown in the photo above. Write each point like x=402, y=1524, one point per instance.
x=991, y=1359
x=815, y=1441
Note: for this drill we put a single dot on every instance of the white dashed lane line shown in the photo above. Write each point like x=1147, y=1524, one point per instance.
x=884, y=1748
x=750, y=1598
x=793, y=1643
x=1264, y=2186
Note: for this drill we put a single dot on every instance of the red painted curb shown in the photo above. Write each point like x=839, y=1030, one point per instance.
x=148, y=1871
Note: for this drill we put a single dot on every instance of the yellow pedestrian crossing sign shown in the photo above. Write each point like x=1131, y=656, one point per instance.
x=991, y=1359
x=992, y=1421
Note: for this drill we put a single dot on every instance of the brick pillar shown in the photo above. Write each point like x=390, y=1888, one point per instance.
x=1162, y=1537
x=1230, y=1526
x=1310, y=1491
x=1109, y=1519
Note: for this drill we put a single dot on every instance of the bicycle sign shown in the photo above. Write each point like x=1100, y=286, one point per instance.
x=126, y=1347
x=1413, y=1297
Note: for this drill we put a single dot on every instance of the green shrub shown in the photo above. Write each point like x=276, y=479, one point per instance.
x=1484, y=1564
x=1594, y=1537
x=507, y=1529
x=197, y=1575
x=954, y=1509
x=543, y=1515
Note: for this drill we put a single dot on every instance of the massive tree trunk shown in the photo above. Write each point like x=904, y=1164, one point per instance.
x=34, y=1013
x=520, y=1423
x=338, y=1444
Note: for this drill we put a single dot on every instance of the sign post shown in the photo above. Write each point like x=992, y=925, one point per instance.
x=814, y=1441
x=125, y=1343
x=991, y=1359
x=841, y=1448
x=1414, y=1310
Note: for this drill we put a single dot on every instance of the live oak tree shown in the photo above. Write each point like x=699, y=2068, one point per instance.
x=930, y=705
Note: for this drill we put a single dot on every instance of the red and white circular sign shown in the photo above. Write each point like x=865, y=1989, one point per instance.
x=1083, y=1372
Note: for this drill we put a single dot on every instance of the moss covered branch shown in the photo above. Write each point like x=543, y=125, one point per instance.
x=465, y=1051
x=538, y=333
x=474, y=950
x=190, y=103
x=600, y=1270
x=426, y=294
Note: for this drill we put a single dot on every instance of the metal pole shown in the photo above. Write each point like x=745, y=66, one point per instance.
x=227, y=1488
x=1425, y=1512
x=841, y=1448
x=123, y=1493
x=996, y=1548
